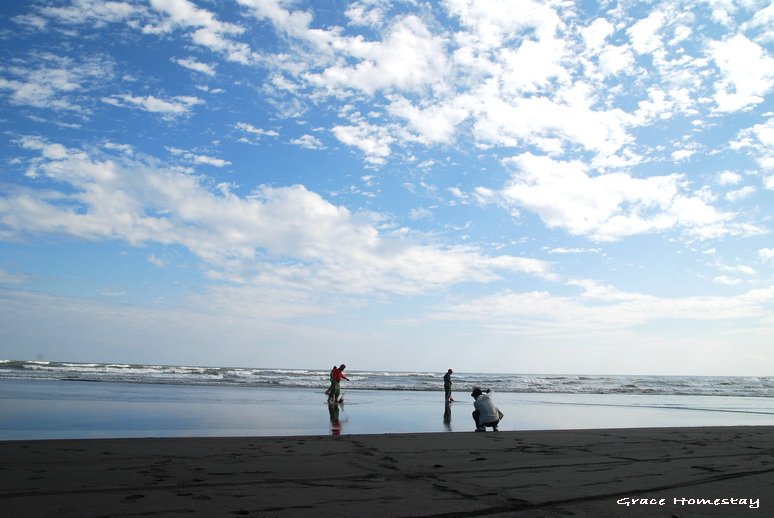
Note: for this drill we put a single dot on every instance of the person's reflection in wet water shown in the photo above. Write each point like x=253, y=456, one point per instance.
x=447, y=416
x=333, y=412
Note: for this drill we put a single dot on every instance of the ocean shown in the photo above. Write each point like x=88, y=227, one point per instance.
x=44, y=400
x=389, y=380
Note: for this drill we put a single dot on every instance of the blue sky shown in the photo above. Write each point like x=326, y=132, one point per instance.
x=523, y=186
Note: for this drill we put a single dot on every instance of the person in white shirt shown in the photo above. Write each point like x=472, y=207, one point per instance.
x=485, y=413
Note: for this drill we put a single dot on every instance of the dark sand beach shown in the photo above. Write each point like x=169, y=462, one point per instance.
x=684, y=472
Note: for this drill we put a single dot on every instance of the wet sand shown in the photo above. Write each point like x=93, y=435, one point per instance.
x=683, y=472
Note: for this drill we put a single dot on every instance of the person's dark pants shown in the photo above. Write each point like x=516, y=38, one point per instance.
x=477, y=414
x=335, y=393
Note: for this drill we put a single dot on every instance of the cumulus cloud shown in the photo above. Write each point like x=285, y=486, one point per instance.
x=729, y=178
x=409, y=58
x=606, y=207
x=436, y=123
x=550, y=125
x=747, y=73
x=308, y=142
x=203, y=28
x=374, y=141
x=288, y=234
x=645, y=34
x=759, y=140
x=360, y=13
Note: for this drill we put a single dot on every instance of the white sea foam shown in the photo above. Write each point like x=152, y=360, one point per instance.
x=391, y=380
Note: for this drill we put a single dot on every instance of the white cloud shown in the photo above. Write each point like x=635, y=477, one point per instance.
x=32, y=21
x=726, y=280
x=737, y=269
x=360, y=13
x=54, y=82
x=308, y=142
x=602, y=310
x=533, y=66
x=208, y=31
x=96, y=12
x=763, y=21
x=595, y=34
x=156, y=261
x=409, y=58
x=420, y=213
x=747, y=73
x=123, y=148
x=606, y=207
x=644, y=33
x=563, y=250
x=766, y=253
x=740, y=194
x=549, y=125
x=196, y=66
x=655, y=107
x=493, y=23
x=170, y=108
x=729, y=178
x=256, y=132
x=435, y=81
x=759, y=139
x=374, y=141
x=436, y=123
x=199, y=159
x=292, y=23
x=683, y=154
x=614, y=59
x=208, y=160
x=287, y=236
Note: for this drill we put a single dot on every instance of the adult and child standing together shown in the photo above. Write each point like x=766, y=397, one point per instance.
x=334, y=391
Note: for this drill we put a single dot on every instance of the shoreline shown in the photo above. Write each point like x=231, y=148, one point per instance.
x=693, y=471
x=83, y=410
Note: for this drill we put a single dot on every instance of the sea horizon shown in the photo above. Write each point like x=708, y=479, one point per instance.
x=390, y=379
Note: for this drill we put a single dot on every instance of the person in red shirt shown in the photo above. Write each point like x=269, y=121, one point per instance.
x=336, y=376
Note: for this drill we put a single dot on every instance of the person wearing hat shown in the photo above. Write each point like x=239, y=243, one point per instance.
x=447, y=383
x=485, y=413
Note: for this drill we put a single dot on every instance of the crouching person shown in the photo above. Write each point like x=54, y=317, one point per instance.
x=485, y=413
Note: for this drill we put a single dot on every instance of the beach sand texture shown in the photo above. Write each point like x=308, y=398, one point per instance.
x=526, y=474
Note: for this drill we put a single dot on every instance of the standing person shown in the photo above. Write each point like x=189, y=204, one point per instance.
x=336, y=376
x=485, y=413
x=447, y=384
x=330, y=388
